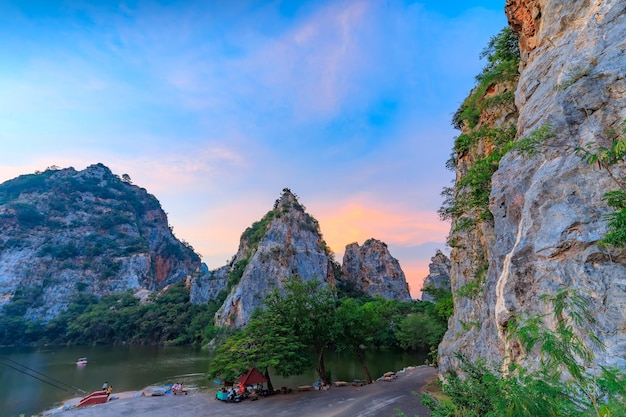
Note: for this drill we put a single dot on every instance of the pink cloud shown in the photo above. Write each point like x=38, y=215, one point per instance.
x=357, y=220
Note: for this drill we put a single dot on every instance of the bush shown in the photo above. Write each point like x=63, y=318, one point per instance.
x=567, y=382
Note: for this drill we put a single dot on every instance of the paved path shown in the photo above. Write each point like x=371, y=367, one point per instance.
x=380, y=399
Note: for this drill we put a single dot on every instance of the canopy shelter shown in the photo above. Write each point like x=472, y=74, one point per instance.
x=252, y=377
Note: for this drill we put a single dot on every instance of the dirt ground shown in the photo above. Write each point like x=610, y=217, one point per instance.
x=378, y=399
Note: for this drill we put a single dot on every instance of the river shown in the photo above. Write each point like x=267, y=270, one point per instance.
x=134, y=368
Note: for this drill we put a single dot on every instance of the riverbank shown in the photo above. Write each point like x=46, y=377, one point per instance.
x=382, y=398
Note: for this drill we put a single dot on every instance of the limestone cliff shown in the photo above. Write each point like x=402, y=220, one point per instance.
x=209, y=286
x=545, y=212
x=64, y=231
x=373, y=271
x=286, y=242
x=438, y=275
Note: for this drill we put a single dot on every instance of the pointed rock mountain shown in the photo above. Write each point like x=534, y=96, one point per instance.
x=373, y=270
x=286, y=242
x=65, y=232
x=438, y=276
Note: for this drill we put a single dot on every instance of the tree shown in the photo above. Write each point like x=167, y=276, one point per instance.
x=307, y=308
x=264, y=343
x=420, y=331
x=355, y=330
x=389, y=312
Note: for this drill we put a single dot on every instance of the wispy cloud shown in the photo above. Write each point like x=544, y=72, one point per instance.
x=214, y=107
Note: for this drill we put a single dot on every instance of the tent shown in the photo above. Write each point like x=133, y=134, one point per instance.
x=252, y=377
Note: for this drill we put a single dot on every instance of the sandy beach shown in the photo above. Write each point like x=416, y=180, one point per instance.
x=378, y=399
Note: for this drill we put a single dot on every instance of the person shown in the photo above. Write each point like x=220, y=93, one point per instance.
x=105, y=386
x=109, y=389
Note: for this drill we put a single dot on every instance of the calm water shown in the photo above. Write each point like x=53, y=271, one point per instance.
x=134, y=368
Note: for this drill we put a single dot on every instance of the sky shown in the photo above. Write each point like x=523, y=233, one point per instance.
x=215, y=107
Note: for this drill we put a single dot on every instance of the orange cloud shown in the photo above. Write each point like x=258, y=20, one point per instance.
x=356, y=221
x=415, y=272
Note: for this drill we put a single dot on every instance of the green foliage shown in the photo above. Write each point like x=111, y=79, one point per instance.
x=255, y=233
x=497, y=136
x=503, y=57
x=30, y=183
x=305, y=316
x=236, y=272
x=616, y=221
x=585, y=389
x=419, y=331
x=355, y=327
x=573, y=74
x=444, y=305
x=308, y=308
x=168, y=318
x=28, y=216
x=264, y=343
x=475, y=286
x=468, y=202
x=530, y=145
x=608, y=158
x=473, y=190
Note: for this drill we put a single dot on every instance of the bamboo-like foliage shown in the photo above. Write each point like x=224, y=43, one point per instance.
x=566, y=382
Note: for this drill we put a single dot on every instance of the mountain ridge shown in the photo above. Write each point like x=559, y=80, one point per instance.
x=67, y=232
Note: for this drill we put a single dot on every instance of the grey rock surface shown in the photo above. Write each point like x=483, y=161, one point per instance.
x=288, y=244
x=373, y=270
x=438, y=275
x=65, y=231
x=548, y=209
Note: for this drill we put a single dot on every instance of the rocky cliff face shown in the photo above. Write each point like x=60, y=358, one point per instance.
x=64, y=231
x=547, y=209
x=285, y=243
x=438, y=275
x=373, y=271
x=209, y=285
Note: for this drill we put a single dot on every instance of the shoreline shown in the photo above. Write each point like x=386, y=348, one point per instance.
x=368, y=400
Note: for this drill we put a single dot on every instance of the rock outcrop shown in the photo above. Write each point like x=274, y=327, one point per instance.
x=373, y=271
x=63, y=232
x=286, y=242
x=438, y=275
x=209, y=285
x=548, y=211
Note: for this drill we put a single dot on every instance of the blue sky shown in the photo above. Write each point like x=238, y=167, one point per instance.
x=216, y=106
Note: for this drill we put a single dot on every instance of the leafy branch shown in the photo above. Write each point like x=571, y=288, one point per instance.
x=608, y=158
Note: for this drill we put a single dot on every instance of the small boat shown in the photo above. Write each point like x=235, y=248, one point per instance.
x=97, y=397
x=81, y=361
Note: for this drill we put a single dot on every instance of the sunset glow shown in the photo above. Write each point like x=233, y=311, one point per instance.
x=215, y=107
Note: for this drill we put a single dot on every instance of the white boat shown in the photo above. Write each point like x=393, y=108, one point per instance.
x=81, y=361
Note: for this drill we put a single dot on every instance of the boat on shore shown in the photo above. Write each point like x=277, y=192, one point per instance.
x=81, y=361
x=96, y=397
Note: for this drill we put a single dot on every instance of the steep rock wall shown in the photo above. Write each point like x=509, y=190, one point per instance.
x=373, y=270
x=64, y=231
x=438, y=275
x=288, y=243
x=548, y=209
